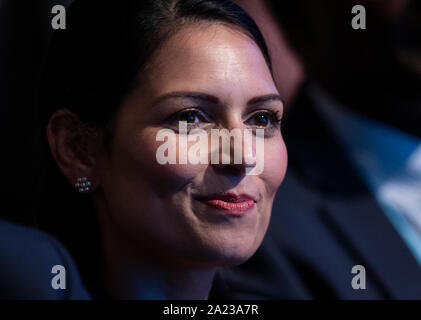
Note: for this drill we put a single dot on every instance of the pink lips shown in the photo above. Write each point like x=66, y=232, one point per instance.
x=230, y=203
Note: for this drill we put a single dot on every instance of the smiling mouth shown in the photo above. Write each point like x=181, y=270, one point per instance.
x=229, y=203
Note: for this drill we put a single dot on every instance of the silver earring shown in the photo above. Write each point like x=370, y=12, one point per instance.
x=83, y=185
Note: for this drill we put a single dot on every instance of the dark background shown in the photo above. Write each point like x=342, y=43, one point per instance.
x=25, y=29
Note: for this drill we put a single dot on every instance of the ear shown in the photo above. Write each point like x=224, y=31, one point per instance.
x=73, y=146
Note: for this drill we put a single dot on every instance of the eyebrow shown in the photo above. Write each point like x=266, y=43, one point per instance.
x=189, y=95
x=213, y=99
x=266, y=98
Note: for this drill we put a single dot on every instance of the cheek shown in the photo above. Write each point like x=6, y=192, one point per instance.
x=276, y=160
x=138, y=158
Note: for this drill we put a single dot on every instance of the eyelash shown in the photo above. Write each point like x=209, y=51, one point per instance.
x=175, y=118
x=274, y=117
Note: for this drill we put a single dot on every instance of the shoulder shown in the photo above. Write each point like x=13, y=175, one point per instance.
x=29, y=261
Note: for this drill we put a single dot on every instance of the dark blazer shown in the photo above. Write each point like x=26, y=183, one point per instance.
x=27, y=257
x=324, y=221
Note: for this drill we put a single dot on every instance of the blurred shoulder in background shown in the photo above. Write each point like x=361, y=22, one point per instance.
x=35, y=266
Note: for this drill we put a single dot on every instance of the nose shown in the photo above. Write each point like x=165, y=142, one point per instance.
x=233, y=149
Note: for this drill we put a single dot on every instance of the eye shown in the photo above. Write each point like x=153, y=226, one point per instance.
x=189, y=116
x=264, y=119
x=193, y=117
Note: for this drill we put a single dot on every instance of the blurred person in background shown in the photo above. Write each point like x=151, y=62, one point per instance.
x=352, y=193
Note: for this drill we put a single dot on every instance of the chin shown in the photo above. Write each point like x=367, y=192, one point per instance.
x=230, y=253
x=235, y=258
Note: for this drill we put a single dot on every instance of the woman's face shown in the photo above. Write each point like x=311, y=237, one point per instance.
x=212, y=77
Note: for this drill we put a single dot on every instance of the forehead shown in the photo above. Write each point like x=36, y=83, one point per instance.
x=209, y=58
